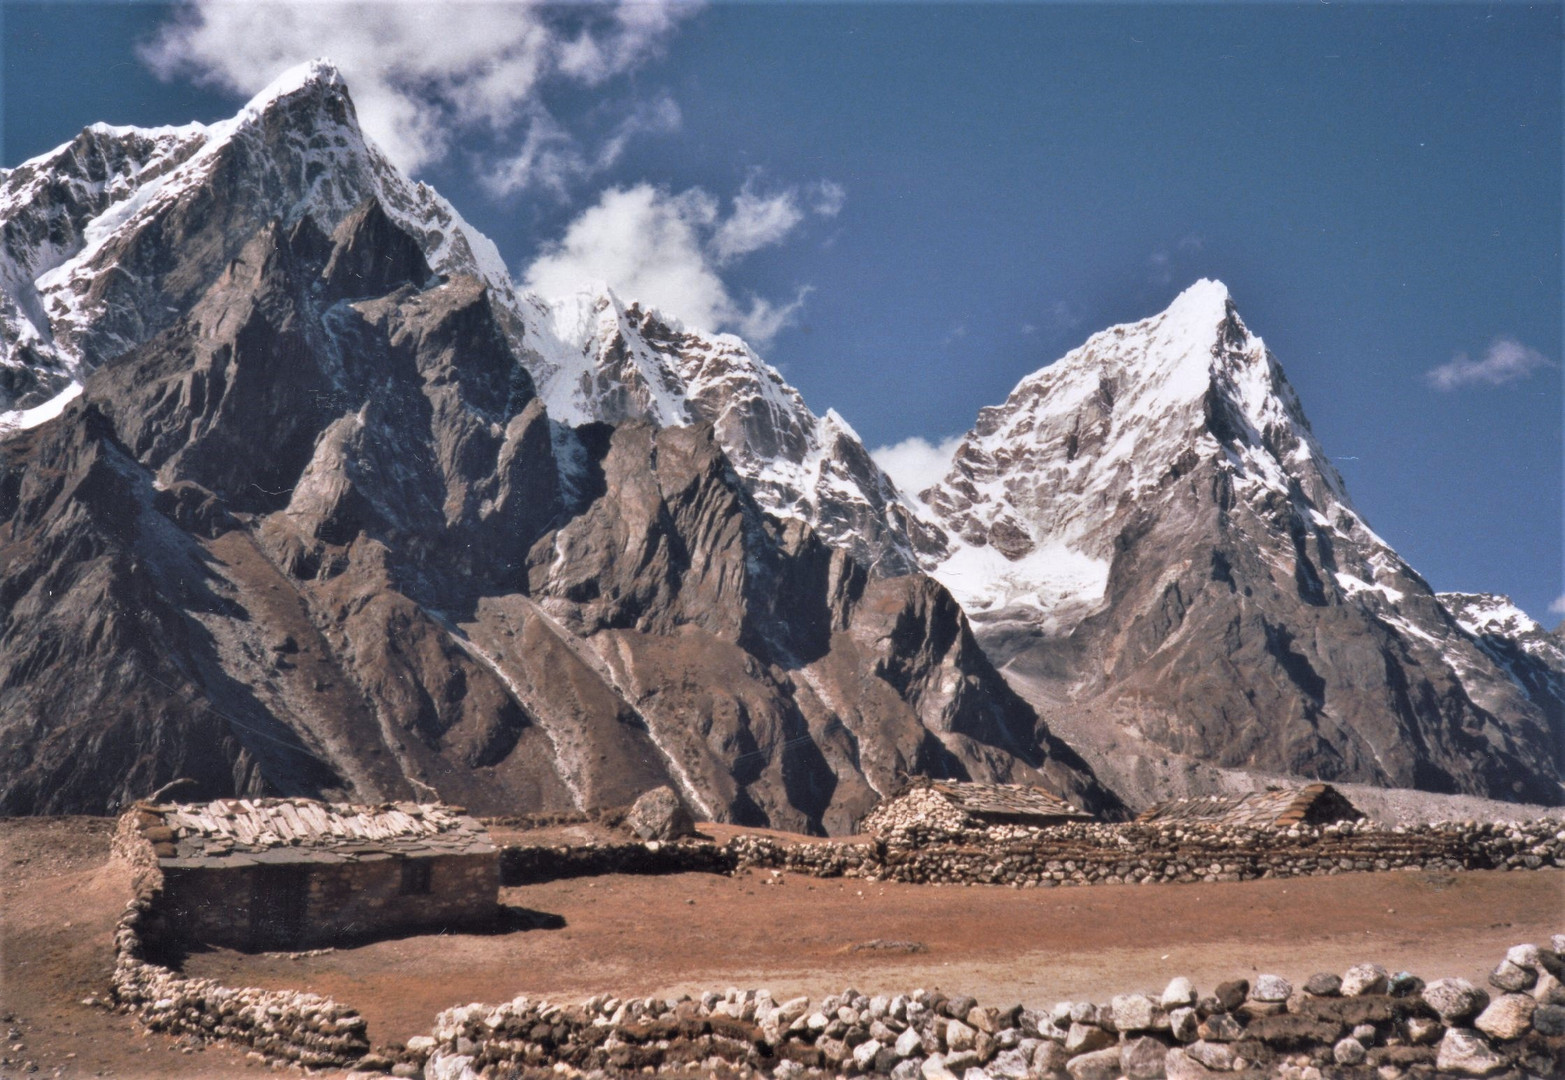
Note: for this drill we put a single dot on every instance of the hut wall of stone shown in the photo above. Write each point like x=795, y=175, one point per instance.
x=305, y=905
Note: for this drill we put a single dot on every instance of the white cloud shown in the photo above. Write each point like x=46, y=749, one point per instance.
x=758, y=221
x=1505, y=361
x=666, y=249
x=1558, y=606
x=915, y=463
x=422, y=71
x=550, y=157
x=827, y=198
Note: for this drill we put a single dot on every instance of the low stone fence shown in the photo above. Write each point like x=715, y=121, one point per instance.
x=1093, y=853
x=280, y=1026
x=523, y=864
x=1365, y=1023
x=1075, y=854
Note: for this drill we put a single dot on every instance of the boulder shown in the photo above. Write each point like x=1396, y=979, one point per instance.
x=1085, y=1038
x=1549, y=1020
x=1179, y=993
x=1178, y=1065
x=1348, y=1052
x=1512, y=977
x=1324, y=984
x=1548, y=990
x=1365, y=979
x=1220, y=1027
x=1096, y=1065
x=1211, y=1055
x=1231, y=995
x=959, y=1036
x=864, y=1054
x=1464, y=1052
x=1142, y=1059
x=934, y=1068
x=1271, y=989
x=1455, y=1000
x=1184, y=1024
x=1507, y=1017
x=1051, y=1057
x=1009, y=1065
x=660, y=814
x=1135, y=1012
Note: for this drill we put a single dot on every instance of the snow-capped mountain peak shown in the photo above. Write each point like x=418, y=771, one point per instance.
x=114, y=196
x=1031, y=497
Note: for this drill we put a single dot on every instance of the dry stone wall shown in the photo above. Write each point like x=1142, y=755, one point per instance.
x=1076, y=854
x=280, y=1026
x=1362, y=1024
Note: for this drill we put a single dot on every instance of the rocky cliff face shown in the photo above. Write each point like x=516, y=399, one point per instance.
x=1151, y=542
x=316, y=531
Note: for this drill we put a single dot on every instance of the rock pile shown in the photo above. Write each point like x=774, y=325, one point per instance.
x=1366, y=1022
x=919, y=805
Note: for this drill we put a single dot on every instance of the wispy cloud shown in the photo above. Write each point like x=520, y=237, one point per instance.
x=1505, y=361
x=553, y=159
x=669, y=250
x=1558, y=606
x=915, y=463
x=423, y=73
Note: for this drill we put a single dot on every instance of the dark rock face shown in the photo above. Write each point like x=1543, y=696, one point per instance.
x=320, y=536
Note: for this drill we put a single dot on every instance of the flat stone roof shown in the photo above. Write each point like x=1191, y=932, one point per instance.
x=240, y=832
x=1311, y=804
x=1009, y=800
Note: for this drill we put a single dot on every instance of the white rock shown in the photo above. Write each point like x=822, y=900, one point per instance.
x=864, y=1054
x=959, y=1037
x=1009, y=1065
x=1455, y=999
x=1465, y=1052
x=1271, y=988
x=1134, y=1012
x=934, y=1068
x=1524, y=956
x=908, y=1043
x=453, y=1067
x=1348, y=1052
x=1179, y=1065
x=1509, y=1016
x=1363, y=979
x=1179, y=992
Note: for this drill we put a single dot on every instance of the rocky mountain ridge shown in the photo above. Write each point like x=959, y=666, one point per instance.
x=1146, y=534
x=319, y=534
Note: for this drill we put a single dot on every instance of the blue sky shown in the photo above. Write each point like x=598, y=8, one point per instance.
x=934, y=200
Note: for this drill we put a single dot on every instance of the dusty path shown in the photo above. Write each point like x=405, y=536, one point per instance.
x=59, y=900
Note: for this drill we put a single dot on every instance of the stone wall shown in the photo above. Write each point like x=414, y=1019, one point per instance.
x=1076, y=854
x=1363, y=1024
x=280, y=1026
x=527, y=864
x=342, y=901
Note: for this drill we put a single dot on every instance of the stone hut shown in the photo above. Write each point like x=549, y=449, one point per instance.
x=954, y=805
x=1313, y=804
x=296, y=873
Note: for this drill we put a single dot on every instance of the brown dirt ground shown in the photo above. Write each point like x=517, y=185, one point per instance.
x=687, y=933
